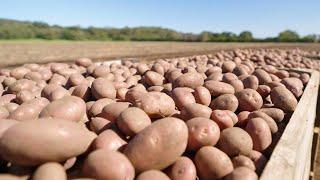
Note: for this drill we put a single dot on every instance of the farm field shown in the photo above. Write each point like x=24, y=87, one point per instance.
x=18, y=52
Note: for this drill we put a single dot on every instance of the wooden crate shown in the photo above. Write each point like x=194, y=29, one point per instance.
x=292, y=156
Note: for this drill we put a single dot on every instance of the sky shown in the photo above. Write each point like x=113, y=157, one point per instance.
x=264, y=18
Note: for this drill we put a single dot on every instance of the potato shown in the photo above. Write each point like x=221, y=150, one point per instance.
x=233, y=116
x=228, y=77
x=212, y=163
x=4, y=113
x=217, y=88
x=153, y=78
x=275, y=113
x=222, y=118
x=24, y=96
x=152, y=174
x=50, y=170
x=22, y=84
x=263, y=76
x=82, y=91
x=259, y=160
x=100, y=71
x=228, y=66
x=202, y=132
x=225, y=102
x=282, y=98
x=215, y=77
x=76, y=79
x=7, y=98
x=294, y=85
x=85, y=62
x=121, y=93
x=271, y=123
x=202, y=95
x=156, y=104
x=6, y=124
x=158, y=145
x=29, y=110
x=243, y=118
x=113, y=110
x=97, y=107
x=103, y=88
x=304, y=77
x=173, y=75
x=108, y=140
x=183, y=168
x=49, y=132
x=155, y=88
x=193, y=110
x=249, y=100
x=98, y=124
x=264, y=90
x=235, y=141
x=182, y=96
x=237, y=85
x=132, y=120
x=70, y=108
x=241, y=160
x=58, y=80
x=59, y=93
x=98, y=161
x=260, y=133
x=242, y=173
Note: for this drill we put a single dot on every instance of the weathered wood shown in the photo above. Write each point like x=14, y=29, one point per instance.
x=292, y=155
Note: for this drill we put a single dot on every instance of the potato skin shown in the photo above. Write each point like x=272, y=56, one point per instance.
x=260, y=133
x=158, y=145
x=153, y=78
x=6, y=124
x=263, y=76
x=182, y=96
x=271, y=123
x=50, y=170
x=249, y=100
x=294, y=85
x=225, y=102
x=222, y=118
x=98, y=161
x=242, y=160
x=259, y=160
x=156, y=104
x=212, y=163
x=217, y=88
x=282, y=98
x=193, y=110
x=202, y=132
x=103, y=88
x=15, y=149
x=152, y=174
x=242, y=173
x=70, y=108
x=202, y=95
x=183, y=168
x=133, y=120
x=251, y=82
x=275, y=113
x=235, y=141
x=190, y=79
x=113, y=110
x=108, y=140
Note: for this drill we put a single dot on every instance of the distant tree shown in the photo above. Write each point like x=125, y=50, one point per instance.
x=310, y=38
x=205, y=36
x=288, y=36
x=245, y=36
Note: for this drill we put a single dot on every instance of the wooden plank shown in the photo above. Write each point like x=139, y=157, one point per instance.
x=290, y=158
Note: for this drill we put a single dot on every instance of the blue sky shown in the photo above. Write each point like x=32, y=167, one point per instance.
x=262, y=17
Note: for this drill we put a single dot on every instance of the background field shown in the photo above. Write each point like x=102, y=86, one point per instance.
x=15, y=52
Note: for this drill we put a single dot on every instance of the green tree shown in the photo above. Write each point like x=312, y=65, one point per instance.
x=245, y=36
x=205, y=36
x=310, y=38
x=288, y=36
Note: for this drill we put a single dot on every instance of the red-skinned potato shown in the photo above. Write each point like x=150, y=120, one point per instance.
x=263, y=76
x=11, y=107
x=275, y=113
x=97, y=106
x=271, y=123
x=152, y=174
x=193, y=110
x=294, y=85
x=85, y=62
x=237, y=85
x=202, y=132
x=98, y=161
x=217, y=88
x=98, y=124
x=121, y=93
x=183, y=168
x=243, y=118
x=260, y=133
x=225, y=102
x=153, y=78
x=113, y=110
x=182, y=96
x=4, y=113
x=16, y=149
x=222, y=118
x=249, y=100
x=82, y=91
x=50, y=170
x=264, y=90
x=282, y=98
x=103, y=88
x=108, y=140
x=235, y=141
x=156, y=104
x=170, y=136
x=191, y=80
x=70, y=108
x=58, y=93
x=6, y=124
x=242, y=160
x=212, y=163
x=202, y=95
x=259, y=160
x=242, y=173
x=132, y=120
x=251, y=82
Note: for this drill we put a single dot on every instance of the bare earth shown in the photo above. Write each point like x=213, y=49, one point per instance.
x=14, y=53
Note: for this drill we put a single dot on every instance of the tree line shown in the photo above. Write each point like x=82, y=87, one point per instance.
x=12, y=29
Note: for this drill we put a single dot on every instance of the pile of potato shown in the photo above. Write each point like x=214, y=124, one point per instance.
x=183, y=118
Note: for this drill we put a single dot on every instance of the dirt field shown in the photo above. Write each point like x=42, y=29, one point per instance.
x=19, y=52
